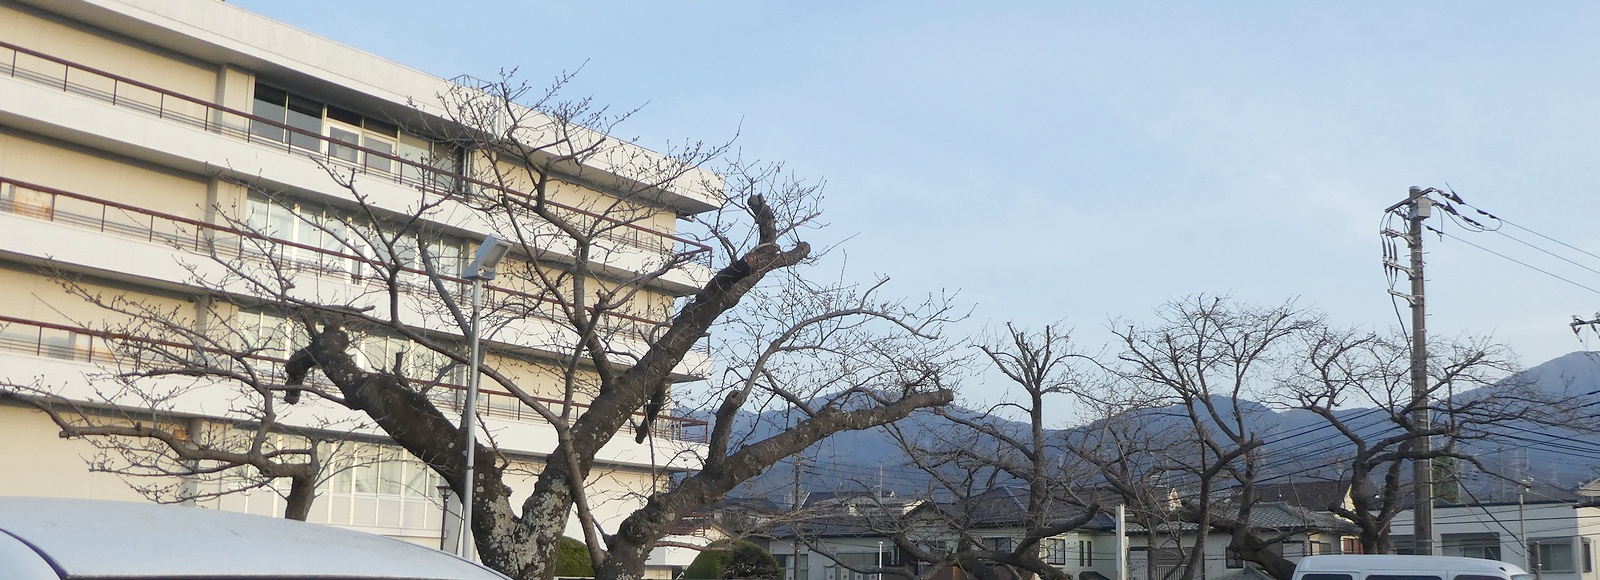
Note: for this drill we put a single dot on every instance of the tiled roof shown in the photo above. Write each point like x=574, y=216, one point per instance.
x=1313, y=495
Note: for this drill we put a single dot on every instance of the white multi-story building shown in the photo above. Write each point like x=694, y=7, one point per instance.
x=138, y=137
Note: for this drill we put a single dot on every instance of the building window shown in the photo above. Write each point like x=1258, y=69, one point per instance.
x=380, y=486
x=300, y=113
x=1552, y=555
x=1053, y=551
x=1000, y=544
x=1473, y=545
x=1350, y=546
x=271, y=335
x=1232, y=559
x=1588, y=556
x=1085, y=553
x=348, y=132
x=337, y=240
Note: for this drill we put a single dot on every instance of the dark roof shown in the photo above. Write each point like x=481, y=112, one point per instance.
x=1277, y=516
x=1313, y=495
x=833, y=527
x=1286, y=517
x=825, y=497
x=756, y=504
x=1007, y=506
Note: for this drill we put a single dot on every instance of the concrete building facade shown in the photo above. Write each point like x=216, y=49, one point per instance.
x=145, y=145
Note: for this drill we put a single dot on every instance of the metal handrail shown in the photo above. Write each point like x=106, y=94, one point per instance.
x=200, y=242
x=674, y=427
x=694, y=250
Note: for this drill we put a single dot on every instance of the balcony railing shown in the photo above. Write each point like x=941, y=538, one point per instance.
x=127, y=93
x=50, y=204
x=74, y=343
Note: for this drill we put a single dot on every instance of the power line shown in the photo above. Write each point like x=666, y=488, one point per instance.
x=1547, y=252
x=1524, y=264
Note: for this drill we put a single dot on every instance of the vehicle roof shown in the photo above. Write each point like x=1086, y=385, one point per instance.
x=1354, y=562
x=106, y=539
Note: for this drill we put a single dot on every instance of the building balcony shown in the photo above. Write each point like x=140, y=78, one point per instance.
x=296, y=159
x=323, y=274
x=49, y=349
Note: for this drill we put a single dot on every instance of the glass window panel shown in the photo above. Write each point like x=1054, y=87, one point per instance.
x=344, y=115
x=366, y=475
x=373, y=351
x=377, y=162
x=295, y=332
x=1554, y=555
x=381, y=127
x=406, y=251
x=416, y=479
x=280, y=222
x=389, y=477
x=344, y=144
x=257, y=209
x=340, y=482
x=269, y=105
x=305, y=115
x=308, y=234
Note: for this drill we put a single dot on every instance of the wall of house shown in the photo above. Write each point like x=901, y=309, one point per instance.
x=1562, y=530
x=1083, y=551
x=1217, y=564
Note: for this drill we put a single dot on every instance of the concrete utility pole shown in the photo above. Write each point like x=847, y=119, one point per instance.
x=1420, y=207
x=794, y=554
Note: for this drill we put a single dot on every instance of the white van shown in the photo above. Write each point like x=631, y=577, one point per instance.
x=1390, y=567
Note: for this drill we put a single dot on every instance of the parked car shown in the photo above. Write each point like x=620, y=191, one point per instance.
x=1392, y=567
x=66, y=539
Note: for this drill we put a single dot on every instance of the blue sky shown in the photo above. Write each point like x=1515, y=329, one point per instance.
x=1080, y=162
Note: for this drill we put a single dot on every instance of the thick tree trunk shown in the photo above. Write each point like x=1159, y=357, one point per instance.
x=302, y=492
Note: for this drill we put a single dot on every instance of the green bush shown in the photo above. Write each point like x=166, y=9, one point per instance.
x=572, y=559
x=728, y=560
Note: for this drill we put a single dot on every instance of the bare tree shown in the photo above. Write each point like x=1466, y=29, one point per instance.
x=586, y=340
x=153, y=357
x=1205, y=359
x=1359, y=384
x=987, y=476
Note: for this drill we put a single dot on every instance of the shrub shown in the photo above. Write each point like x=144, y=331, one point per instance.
x=572, y=559
x=730, y=560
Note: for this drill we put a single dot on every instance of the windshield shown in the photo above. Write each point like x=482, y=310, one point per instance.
x=1521, y=577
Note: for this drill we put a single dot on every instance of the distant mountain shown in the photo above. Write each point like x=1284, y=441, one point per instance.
x=1298, y=443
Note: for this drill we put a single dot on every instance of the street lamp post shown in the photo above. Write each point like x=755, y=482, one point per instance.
x=482, y=268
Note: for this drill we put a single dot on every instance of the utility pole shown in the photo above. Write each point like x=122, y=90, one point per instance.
x=1419, y=208
x=794, y=564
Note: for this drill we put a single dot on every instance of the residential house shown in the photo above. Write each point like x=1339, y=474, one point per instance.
x=1552, y=538
x=1163, y=554
x=835, y=545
